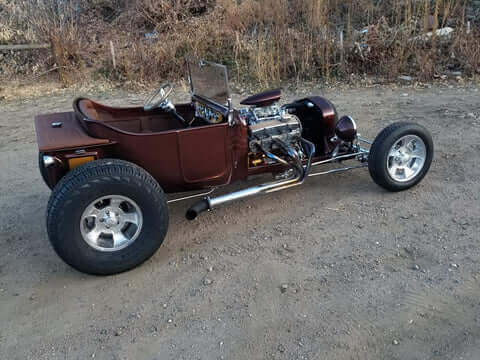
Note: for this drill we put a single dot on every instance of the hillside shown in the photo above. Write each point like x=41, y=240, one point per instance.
x=137, y=41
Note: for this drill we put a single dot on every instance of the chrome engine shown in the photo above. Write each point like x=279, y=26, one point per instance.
x=269, y=128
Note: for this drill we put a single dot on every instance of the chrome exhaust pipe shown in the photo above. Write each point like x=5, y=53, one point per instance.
x=300, y=174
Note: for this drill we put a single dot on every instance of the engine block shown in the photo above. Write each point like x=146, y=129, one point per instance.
x=266, y=124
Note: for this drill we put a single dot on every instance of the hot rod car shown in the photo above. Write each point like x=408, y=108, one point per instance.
x=110, y=168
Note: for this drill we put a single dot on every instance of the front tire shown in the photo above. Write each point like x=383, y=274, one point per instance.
x=106, y=217
x=400, y=156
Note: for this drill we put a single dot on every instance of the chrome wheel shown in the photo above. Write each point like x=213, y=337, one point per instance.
x=111, y=223
x=406, y=158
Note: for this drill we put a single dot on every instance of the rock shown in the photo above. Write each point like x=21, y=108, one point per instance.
x=169, y=321
x=287, y=248
x=281, y=348
x=405, y=78
x=455, y=266
x=210, y=269
x=283, y=288
x=415, y=267
x=471, y=115
x=207, y=281
x=118, y=333
x=103, y=332
x=134, y=315
x=395, y=342
x=404, y=94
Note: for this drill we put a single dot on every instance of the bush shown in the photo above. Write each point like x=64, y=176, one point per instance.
x=266, y=41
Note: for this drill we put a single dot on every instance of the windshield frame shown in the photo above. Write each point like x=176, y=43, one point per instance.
x=200, y=62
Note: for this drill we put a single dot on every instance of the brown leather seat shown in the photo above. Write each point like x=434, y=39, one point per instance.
x=87, y=108
x=265, y=98
x=133, y=120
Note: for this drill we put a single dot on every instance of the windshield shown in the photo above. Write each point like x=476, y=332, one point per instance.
x=209, y=80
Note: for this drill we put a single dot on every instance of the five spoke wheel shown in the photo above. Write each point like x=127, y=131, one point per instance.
x=111, y=223
x=406, y=158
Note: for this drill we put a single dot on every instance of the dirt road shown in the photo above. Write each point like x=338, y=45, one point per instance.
x=366, y=274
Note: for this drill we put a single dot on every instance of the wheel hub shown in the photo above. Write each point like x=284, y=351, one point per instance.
x=110, y=218
x=402, y=158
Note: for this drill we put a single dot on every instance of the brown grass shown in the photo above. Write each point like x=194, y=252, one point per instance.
x=266, y=41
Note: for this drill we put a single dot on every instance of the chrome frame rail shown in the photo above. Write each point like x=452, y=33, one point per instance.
x=339, y=170
x=366, y=141
x=191, y=196
x=340, y=157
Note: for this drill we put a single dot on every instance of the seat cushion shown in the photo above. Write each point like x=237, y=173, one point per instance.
x=88, y=109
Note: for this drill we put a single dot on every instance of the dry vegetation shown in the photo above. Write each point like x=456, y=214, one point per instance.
x=261, y=40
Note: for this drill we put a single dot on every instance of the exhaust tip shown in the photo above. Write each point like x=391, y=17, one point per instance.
x=197, y=208
x=191, y=214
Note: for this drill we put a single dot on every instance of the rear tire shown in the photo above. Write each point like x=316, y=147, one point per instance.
x=400, y=156
x=77, y=221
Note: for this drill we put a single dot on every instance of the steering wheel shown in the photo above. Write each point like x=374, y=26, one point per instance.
x=158, y=97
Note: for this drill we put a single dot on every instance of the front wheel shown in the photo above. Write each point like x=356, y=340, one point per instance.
x=106, y=217
x=400, y=156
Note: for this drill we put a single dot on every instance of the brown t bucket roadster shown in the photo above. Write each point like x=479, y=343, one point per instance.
x=110, y=168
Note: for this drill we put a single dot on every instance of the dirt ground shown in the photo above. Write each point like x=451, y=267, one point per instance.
x=366, y=274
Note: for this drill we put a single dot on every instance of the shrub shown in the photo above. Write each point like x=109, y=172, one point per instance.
x=266, y=41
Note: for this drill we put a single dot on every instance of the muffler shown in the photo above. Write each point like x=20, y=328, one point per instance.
x=300, y=172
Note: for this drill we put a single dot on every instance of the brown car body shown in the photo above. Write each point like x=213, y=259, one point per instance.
x=180, y=158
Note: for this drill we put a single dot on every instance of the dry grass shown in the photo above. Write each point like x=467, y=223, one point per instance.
x=265, y=41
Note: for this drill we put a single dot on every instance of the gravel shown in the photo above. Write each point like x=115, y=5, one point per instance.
x=358, y=291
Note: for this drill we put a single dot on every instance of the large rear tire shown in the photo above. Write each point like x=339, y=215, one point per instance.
x=106, y=217
x=400, y=156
